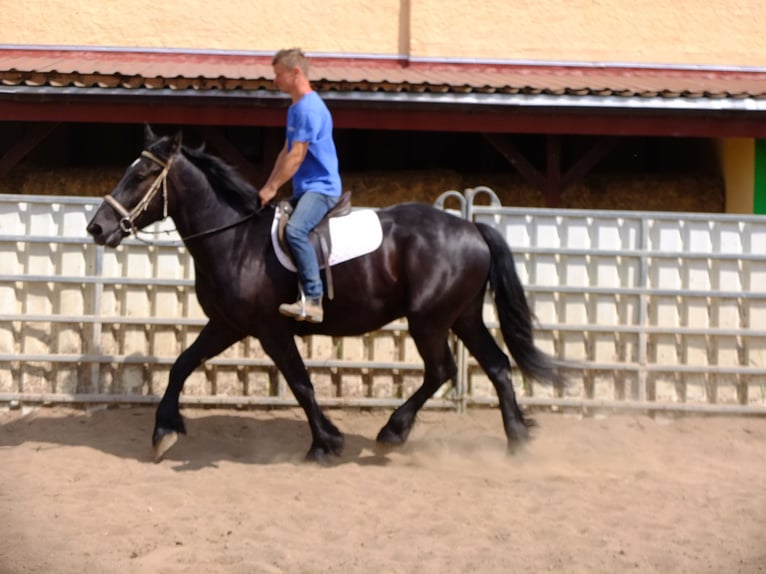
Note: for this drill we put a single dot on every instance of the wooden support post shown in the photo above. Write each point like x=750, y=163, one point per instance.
x=509, y=151
x=589, y=160
x=553, y=181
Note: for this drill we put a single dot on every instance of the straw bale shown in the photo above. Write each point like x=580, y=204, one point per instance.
x=379, y=189
x=69, y=181
x=511, y=189
x=648, y=192
x=651, y=192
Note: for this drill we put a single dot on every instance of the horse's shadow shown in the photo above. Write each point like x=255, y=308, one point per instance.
x=210, y=440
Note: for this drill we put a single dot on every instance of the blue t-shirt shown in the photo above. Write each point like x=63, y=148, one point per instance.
x=309, y=120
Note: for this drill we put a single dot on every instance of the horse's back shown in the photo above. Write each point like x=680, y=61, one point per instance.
x=414, y=212
x=442, y=257
x=432, y=229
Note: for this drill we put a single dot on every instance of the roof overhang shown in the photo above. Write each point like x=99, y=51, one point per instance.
x=236, y=89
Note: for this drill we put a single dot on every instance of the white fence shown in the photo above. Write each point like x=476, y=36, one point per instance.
x=660, y=312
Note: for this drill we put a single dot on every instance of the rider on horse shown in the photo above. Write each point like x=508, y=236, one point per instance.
x=309, y=158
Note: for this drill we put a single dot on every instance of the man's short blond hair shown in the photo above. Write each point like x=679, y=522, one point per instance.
x=292, y=58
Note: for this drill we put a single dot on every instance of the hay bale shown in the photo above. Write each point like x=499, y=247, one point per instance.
x=648, y=192
x=11, y=183
x=511, y=189
x=68, y=181
x=379, y=189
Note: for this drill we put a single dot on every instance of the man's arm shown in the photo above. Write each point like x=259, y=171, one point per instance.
x=285, y=167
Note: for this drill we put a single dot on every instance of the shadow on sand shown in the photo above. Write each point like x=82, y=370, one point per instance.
x=247, y=437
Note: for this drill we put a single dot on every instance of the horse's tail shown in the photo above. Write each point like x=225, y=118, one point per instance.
x=513, y=311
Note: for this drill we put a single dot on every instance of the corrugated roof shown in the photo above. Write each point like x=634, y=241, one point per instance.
x=238, y=72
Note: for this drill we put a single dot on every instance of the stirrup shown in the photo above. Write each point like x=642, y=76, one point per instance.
x=296, y=310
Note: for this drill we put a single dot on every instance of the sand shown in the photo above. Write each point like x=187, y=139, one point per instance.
x=79, y=493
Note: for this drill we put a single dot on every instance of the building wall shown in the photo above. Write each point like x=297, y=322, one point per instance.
x=654, y=31
x=684, y=32
x=355, y=26
x=724, y=33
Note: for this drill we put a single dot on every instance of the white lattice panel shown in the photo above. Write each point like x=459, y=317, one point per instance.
x=655, y=307
x=684, y=294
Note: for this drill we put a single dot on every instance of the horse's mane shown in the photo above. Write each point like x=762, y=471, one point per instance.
x=224, y=179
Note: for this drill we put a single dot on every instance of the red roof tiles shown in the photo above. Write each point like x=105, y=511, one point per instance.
x=227, y=72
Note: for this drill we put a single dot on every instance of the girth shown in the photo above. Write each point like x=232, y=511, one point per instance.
x=319, y=237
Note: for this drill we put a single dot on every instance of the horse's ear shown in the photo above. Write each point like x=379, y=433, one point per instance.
x=175, y=143
x=149, y=135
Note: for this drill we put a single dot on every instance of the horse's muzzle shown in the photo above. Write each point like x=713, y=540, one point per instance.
x=100, y=237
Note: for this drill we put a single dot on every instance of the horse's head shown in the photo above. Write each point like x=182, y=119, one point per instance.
x=141, y=196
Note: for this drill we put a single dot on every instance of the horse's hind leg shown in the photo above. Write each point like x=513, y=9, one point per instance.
x=439, y=368
x=478, y=340
x=212, y=340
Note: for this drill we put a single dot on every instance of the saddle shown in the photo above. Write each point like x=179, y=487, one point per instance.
x=319, y=237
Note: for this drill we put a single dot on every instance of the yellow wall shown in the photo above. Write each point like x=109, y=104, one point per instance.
x=652, y=31
x=370, y=26
x=737, y=156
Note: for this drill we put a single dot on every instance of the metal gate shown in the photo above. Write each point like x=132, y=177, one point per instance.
x=658, y=311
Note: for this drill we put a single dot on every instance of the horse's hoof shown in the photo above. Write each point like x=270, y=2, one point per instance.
x=387, y=438
x=318, y=456
x=517, y=445
x=336, y=444
x=164, y=440
x=382, y=449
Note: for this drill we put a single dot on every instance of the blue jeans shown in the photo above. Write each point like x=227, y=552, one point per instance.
x=309, y=210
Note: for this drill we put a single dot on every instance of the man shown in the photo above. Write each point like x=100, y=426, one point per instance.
x=310, y=159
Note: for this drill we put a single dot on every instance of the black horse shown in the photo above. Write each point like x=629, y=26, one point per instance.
x=432, y=268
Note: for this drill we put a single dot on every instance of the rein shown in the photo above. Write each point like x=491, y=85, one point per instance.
x=127, y=223
x=223, y=227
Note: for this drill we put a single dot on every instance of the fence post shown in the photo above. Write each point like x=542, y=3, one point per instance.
x=98, y=297
x=643, y=313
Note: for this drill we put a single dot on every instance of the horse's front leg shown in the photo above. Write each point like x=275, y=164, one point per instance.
x=326, y=438
x=212, y=340
x=439, y=368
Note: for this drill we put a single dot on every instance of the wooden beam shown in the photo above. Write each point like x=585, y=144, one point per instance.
x=229, y=152
x=589, y=160
x=33, y=135
x=509, y=151
x=554, y=180
x=507, y=121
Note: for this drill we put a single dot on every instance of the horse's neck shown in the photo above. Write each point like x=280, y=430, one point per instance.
x=197, y=209
x=209, y=226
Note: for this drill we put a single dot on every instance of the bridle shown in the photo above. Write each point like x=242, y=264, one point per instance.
x=127, y=223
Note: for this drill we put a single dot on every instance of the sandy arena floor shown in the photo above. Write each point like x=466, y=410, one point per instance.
x=79, y=494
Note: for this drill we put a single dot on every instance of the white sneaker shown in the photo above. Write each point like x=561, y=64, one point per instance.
x=308, y=309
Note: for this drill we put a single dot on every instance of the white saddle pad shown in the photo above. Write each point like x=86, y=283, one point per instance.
x=352, y=235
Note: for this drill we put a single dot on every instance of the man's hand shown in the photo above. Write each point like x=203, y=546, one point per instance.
x=267, y=193
x=285, y=167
